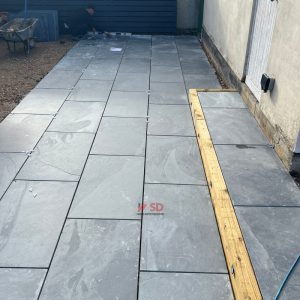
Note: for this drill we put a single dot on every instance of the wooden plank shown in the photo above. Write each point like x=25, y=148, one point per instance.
x=242, y=276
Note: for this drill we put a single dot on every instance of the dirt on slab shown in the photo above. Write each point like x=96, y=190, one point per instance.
x=20, y=73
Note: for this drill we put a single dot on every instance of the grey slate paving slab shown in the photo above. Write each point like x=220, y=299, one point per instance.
x=58, y=156
x=77, y=116
x=185, y=238
x=233, y=126
x=273, y=241
x=173, y=160
x=180, y=286
x=132, y=82
x=127, y=104
x=131, y=65
x=170, y=120
x=111, y=187
x=199, y=67
x=193, y=81
x=42, y=101
x=256, y=176
x=165, y=59
x=95, y=259
x=60, y=79
x=166, y=74
x=31, y=217
x=168, y=93
x=91, y=90
x=120, y=136
x=17, y=284
x=21, y=132
x=10, y=165
x=104, y=65
x=94, y=74
x=221, y=100
x=72, y=63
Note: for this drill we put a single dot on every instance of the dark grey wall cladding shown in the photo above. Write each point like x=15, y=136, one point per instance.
x=140, y=16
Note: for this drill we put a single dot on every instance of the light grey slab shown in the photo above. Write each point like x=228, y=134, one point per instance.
x=178, y=286
x=32, y=215
x=273, y=241
x=141, y=53
x=58, y=156
x=73, y=63
x=185, y=237
x=60, y=79
x=75, y=116
x=172, y=159
x=121, y=136
x=111, y=187
x=94, y=74
x=127, y=104
x=170, y=120
x=193, y=81
x=168, y=93
x=91, y=90
x=95, y=259
x=21, y=132
x=233, y=126
x=166, y=74
x=10, y=165
x=132, y=65
x=19, y=284
x=132, y=82
x=42, y=101
x=221, y=100
x=104, y=65
x=256, y=176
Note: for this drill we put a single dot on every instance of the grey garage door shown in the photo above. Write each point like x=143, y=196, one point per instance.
x=140, y=16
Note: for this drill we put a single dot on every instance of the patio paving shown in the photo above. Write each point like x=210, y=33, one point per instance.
x=103, y=193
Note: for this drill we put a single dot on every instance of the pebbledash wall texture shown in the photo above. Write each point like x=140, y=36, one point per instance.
x=226, y=31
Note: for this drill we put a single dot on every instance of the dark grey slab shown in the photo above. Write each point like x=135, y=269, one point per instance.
x=221, y=100
x=273, y=241
x=132, y=65
x=58, y=156
x=170, y=120
x=256, y=176
x=10, y=165
x=166, y=74
x=91, y=90
x=21, y=132
x=17, y=284
x=174, y=160
x=121, y=136
x=193, y=81
x=31, y=217
x=60, y=79
x=94, y=74
x=164, y=59
x=168, y=93
x=42, y=101
x=199, y=67
x=132, y=82
x=75, y=116
x=185, y=238
x=178, y=286
x=95, y=259
x=111, y=187
x=127, y=104
x=233, y=126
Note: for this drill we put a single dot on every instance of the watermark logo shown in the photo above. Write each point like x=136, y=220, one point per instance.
x=153, y=208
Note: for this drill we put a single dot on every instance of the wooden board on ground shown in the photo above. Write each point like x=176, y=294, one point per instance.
x=242, y=276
